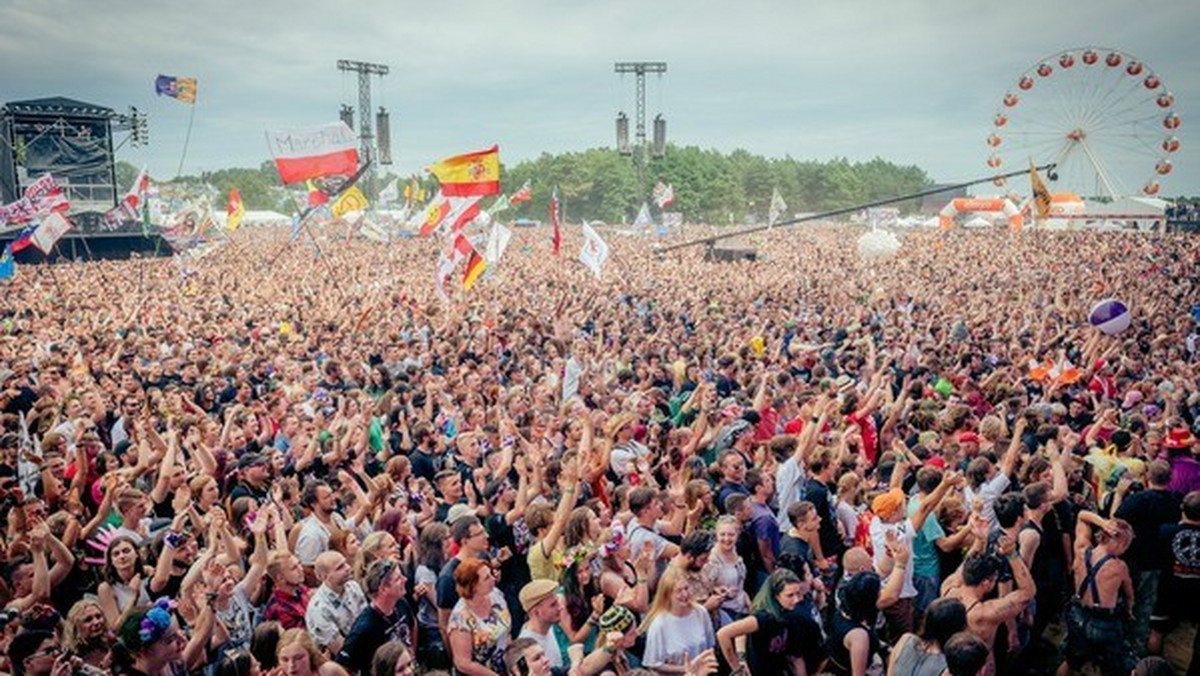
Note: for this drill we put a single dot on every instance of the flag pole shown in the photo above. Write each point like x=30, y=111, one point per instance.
x=186, y=139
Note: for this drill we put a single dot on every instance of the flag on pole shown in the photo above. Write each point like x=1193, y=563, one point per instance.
x=595, y=250
x=643, y=219
x=235, y=211
x=555, y=212
x=24, y=238
x=523, y=195
x=349, y=201
x=497, y=242
x=414, y=193
x=8, y=266
x=502, y=203
x=457, y=211
x=20, y=211
x=316, y=196
x=391, y=193
x=53, y=226
x=475, y=267
x=1041, y=196
x=314, y=152
x=137, y=192
x=476, y=173
x=663, y=194
x=182, y=89
x=45, y=194
x=778, y=207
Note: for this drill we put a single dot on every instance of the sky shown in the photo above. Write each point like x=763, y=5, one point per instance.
x=915, y=82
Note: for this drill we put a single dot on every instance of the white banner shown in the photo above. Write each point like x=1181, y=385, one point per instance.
x=53, y=226
x=595, y=250
x=497, y=243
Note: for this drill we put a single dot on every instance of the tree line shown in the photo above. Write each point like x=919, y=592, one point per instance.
x=600, y=184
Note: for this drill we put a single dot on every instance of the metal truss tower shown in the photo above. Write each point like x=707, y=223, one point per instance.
x=640, y=68
x=366, y=135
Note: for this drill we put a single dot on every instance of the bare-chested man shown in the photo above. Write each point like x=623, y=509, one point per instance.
x=976, y=580
x=1103, y=597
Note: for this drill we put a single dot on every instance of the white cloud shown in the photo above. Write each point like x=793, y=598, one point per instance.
x=912, y=81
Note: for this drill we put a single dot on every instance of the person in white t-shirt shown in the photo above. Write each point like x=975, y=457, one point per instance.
x=890, y=520
x=677, y=628
x=986, y=482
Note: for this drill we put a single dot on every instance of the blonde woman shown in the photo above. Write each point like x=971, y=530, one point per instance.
x=677, y=629
x=378, y=545
x=726, y=570
x=298, y=656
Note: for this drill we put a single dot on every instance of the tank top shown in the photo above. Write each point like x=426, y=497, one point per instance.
x=913, y=660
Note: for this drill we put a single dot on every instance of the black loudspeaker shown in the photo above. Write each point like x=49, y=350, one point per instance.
x=347, y=115
x=383, y=136
x=660, y=137
x=731, y=254
x=623, y=135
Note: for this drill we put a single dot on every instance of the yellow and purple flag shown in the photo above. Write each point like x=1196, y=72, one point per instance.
x=182, y=89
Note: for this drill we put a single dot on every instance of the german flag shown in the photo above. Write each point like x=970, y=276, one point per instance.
x=475, y=267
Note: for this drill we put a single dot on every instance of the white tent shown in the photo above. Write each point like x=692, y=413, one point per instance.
x=978, y=222
x=1142, y=213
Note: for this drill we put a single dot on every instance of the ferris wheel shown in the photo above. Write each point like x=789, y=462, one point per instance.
x=1102, y=116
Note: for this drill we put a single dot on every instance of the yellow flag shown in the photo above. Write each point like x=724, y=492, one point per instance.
x=351, y=200
x=236, y=210
x=471, y=174
x=1041, y=196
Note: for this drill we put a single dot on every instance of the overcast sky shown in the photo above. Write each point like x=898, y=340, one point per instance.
x=911, y=82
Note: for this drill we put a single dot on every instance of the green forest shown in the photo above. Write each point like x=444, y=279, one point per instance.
x=600, y=184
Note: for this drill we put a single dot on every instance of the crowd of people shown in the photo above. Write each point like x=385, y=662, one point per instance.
x=283, y=460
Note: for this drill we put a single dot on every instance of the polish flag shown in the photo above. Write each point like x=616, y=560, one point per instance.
x=314, y=152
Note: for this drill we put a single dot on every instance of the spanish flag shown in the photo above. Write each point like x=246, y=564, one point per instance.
x=471, y=174
x=1041, y=196
x=236, y=210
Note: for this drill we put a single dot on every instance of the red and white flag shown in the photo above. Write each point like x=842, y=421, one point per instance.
x=137, y=191
x=523, y=195
x=664, y=194
x=45, y=194
x=555, y=209
x=314, y=152
x=457, y=211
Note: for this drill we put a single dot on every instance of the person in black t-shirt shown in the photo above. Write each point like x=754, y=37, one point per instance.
x=387, y=618
x=768, y=626
x=1180, y=584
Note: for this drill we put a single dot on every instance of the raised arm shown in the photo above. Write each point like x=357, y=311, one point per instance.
x=930, y=502
x=569, y=479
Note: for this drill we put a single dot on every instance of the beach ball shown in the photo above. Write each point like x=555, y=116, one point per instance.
x=1110, y=316
x=878, y=245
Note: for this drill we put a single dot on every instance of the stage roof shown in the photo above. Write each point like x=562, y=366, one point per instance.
x=57, y=105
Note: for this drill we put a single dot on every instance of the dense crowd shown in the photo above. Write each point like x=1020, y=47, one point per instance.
x=278, y=459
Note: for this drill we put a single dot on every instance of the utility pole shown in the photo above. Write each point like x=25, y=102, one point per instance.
x=640, y=68
x=366, y=136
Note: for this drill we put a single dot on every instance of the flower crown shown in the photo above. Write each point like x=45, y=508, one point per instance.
x=156, y=621
x=574, y=555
